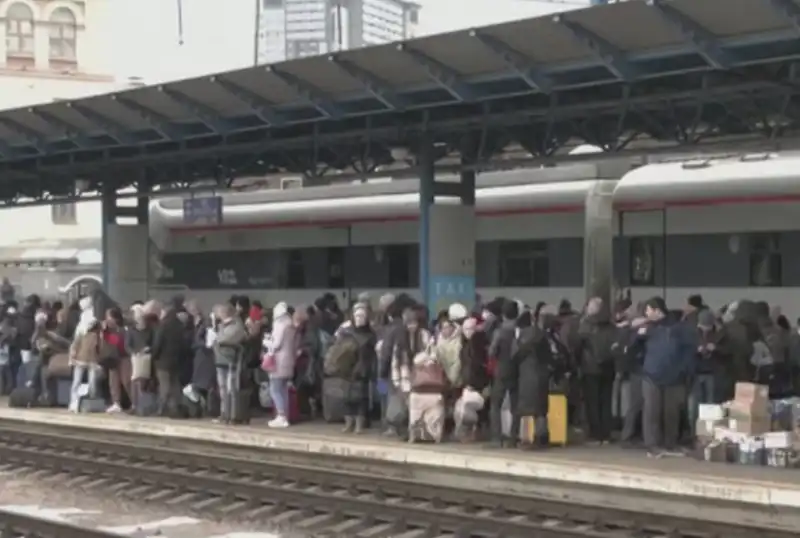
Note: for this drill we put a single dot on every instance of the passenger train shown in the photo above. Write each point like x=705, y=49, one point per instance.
x=726, y=228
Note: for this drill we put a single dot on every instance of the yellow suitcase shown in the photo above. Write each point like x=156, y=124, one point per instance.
x=557, y=419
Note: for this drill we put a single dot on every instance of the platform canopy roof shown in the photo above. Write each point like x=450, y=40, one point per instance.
x=623, y=43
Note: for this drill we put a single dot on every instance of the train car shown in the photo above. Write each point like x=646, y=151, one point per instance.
x=725, y=228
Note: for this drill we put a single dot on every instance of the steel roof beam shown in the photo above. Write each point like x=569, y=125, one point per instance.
x=32, y=137
x=158, y=122
x=789, y=10
x=208, y=116
x=70, y=131
x=517, y=61
x=704, y=41
x=6, y=150
x=441, y=74
x=260, y=106
x=111, y=128
x=319, y=100
x=613, y=58
x=378, y=88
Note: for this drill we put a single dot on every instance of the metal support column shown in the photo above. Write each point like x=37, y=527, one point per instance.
x=126, y=245
x=447, y=237
x=427, y=180
x=109, y=218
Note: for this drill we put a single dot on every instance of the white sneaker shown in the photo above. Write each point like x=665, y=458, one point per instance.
x=73, y=408
x=114, y=409
x=278, y=422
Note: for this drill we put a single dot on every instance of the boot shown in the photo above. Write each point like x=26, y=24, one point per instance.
x=349, y=424
x=359, y=426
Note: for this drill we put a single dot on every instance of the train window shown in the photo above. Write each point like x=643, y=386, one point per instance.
x=295, y=270
x=398, y=258
x=642, y=261
x=765, y=261
x=336, y=262
x=523, y=264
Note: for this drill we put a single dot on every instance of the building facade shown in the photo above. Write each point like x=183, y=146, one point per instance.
x=298, y=28
x=52, y=50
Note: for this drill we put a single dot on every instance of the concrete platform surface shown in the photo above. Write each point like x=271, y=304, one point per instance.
x=605, y=467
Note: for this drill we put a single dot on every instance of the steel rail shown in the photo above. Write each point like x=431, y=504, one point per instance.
x=14, y=525
x=323, y=500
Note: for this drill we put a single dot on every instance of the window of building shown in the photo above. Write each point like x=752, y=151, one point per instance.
x=642, y=261
x=65, y=213
x=765, y=261
x=523, y=264
x=19, y=31
x=63, y=35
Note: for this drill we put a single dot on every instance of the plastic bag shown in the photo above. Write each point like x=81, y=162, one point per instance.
x=466, y=408
x=505, y=416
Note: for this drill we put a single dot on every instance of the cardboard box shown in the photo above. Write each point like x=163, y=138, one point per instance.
x=751, y=393
x=778, y=440
x=751, y=425
x=710, y=412
x=705, y=428
x=739, y=410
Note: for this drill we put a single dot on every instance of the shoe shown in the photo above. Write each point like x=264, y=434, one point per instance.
x=655, y=454
x=349, y=424
x=114, y=409
x=278, y=422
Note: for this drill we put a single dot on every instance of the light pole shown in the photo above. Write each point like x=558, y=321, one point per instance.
x=257, y=25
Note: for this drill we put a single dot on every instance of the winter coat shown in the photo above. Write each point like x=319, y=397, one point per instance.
x=169, y=343
x=231, y=336
x=533, y=354
x=473, y=358
x=284, y=345
x=85, y=349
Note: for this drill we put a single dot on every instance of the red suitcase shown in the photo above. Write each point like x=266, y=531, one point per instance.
x=294, y=406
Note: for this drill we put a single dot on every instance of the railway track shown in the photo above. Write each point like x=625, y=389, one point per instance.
x=322, y=502
x=15, y=525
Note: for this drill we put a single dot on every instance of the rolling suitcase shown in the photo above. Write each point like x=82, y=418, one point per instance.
x=557, y=419
x=238, y=399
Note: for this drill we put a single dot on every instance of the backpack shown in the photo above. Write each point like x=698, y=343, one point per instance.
x=341, y=357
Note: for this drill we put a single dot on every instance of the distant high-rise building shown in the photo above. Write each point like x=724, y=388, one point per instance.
x=297, y=28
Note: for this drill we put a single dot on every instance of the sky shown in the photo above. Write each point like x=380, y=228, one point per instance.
x=145, y=33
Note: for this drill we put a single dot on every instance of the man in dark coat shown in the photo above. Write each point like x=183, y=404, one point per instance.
x=535, y=358
x=169, y=346
x=505, y=381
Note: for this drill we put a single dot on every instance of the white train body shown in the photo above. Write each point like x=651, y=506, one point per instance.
x=726, y=229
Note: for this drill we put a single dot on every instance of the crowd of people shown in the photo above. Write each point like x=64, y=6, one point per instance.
x=630, y=373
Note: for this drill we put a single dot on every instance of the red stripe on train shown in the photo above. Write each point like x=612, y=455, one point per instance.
x=625, y=206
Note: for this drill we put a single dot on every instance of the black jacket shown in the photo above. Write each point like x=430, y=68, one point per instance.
x=502, y=349
x=169, y=342
x=534, y=356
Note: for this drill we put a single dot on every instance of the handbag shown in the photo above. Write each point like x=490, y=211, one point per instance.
x=108, y=354
x=269, y=363
x=141, y=363
x=428, y=375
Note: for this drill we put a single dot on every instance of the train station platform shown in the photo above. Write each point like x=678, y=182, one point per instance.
x=565, y=473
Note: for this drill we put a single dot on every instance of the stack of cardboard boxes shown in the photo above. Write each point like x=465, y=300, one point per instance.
x=742, y=431
x=749, y=411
